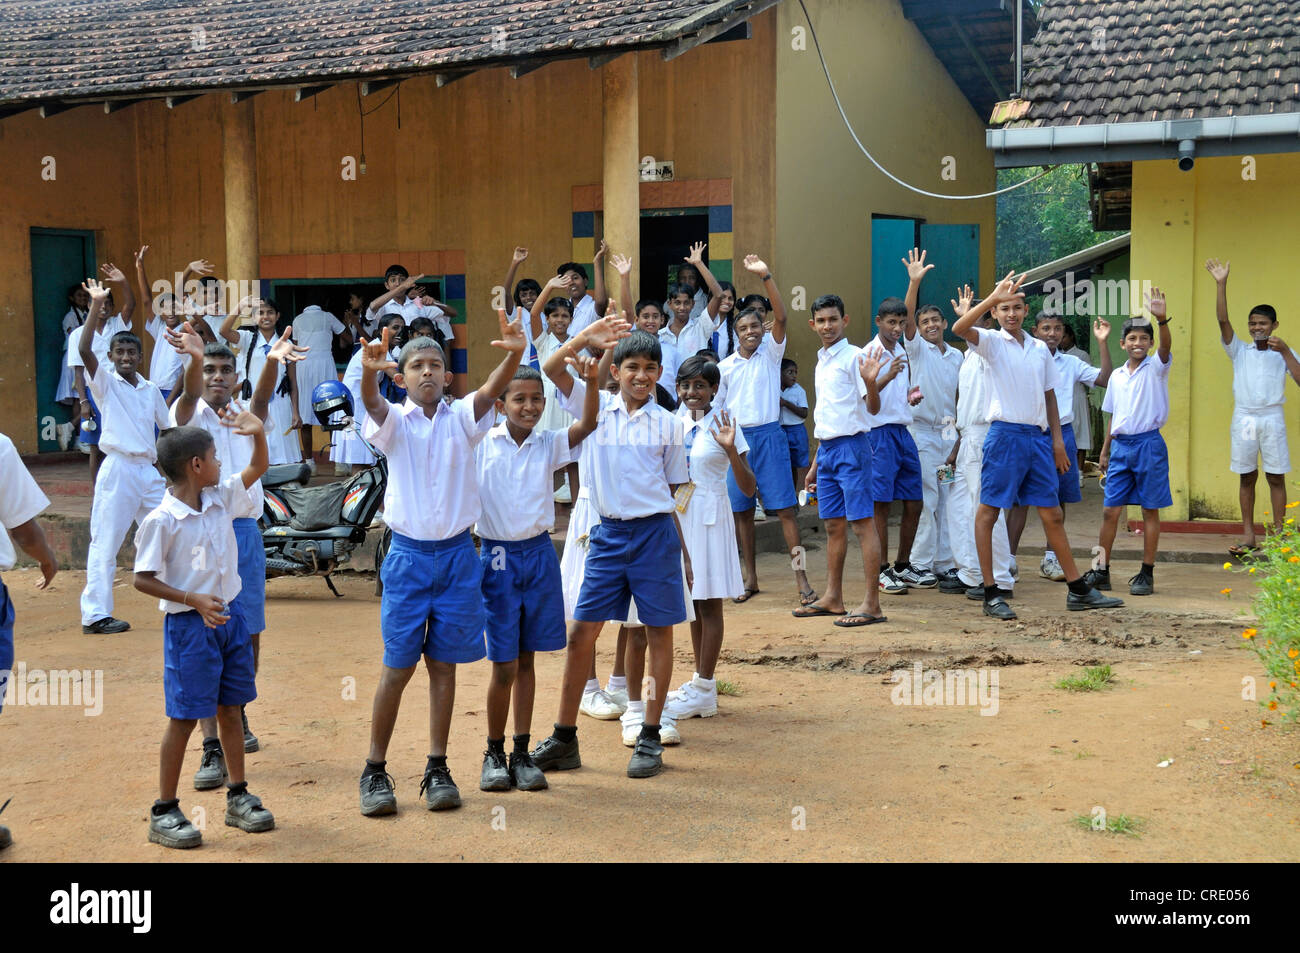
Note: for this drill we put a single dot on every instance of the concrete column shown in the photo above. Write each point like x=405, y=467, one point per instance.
x=621, y=184
x=239, y=165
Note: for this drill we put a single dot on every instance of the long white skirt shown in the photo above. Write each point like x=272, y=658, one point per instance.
x=281, y=447
x=710, y=533
x=312, y=370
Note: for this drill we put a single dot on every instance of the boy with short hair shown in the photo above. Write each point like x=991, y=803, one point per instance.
x=1259, y=370
x=1133, y=456
x=794, y=413
x=432, y=600
x=638, y=461
x=689, y=330
x=127, y=487
x=186, y=556
x=586, y=308
x=91, y=424
x=522, y=593
x=1024, y=451
x=847, y=391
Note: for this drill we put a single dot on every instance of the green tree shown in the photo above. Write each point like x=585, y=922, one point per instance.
x=1045, y=220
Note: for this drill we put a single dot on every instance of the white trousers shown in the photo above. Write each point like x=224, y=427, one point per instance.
x=126, y=491
x=931, y=548
x=963, y=501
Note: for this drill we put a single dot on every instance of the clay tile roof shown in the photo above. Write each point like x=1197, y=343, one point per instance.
x=71, y=50
x=1105, y=62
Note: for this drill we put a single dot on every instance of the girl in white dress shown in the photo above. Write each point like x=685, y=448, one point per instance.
x=251, y=347
x=314, y=329
x=554, y=417
x=79, y=301
x=713, y=443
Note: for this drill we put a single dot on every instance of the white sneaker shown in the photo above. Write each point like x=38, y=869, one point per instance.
x=562, y=495
x=759, y=514
x=631, y=721
x=681, y=689
x=342, y=469
x=1049, y=568
x=915, y=578
x=891, y=584
x=668, y=733
x=1015, y=570
x=600, y=706
x=692, y=701
x=618, y=696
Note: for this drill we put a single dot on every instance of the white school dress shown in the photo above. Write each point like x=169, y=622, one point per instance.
x=707, y=525
x=66, y=393
x=282, y=444
x=347, y=446
x=315, y=329
x=554, y=416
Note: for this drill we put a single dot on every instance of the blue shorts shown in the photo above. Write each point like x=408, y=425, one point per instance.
x=252, y=574
x=895, y=464
x=1138, y=472
x=1069, y=489
x=91, y=437
x=769, y=458
x=6, y=641
x=634, y=559
x=522, y=597
x=1019, y=467
x=844, y=478
x=796, y=438
x=203, y=667
x=432, y=603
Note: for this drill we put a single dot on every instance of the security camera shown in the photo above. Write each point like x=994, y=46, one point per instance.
x=1186, y=154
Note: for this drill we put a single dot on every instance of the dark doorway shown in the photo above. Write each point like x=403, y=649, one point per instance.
x=60, y=258
x=666, y=238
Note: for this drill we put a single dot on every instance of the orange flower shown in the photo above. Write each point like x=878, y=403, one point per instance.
x=1286, y=549
x=1248, y=634
x=1272, y=705
x=1225, y=592
x=1294, y=559
x=1292, y=653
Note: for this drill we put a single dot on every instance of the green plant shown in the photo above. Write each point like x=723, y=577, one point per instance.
x=1092, y=679
x=1116, y=824
x=728, y=688
x=1275, y=639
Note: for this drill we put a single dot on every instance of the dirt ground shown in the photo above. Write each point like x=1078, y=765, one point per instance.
x=811, y=761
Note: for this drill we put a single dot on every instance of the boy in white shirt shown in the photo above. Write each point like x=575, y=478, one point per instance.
x=638, y=460
x=1259, y=370
x=1024, y=451
x=432, y=602
x=794, y=413
x=91, y=426
x=1134, y=456
x=586, y=308
x=166, y=364
x=186, y=556
x=847, y=384
x=687, y=329
x=523, y=597
x=127, y=486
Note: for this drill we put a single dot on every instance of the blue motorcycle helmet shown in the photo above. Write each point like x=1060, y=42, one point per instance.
x=332, y=404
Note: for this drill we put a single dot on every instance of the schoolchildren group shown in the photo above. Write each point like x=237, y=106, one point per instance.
x=667, y=423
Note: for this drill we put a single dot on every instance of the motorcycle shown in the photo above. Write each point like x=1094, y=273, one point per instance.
x=313, y=530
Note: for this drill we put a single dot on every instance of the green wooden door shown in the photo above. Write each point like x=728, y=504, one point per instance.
x=60, y=258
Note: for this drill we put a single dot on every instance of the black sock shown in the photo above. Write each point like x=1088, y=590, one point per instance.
x=521, y=744
x=161, y=807
x=436, y=761
x=650, y=731
x=565, y=733
x=211, y=743
x=1079, y=587
x=885, y=567
x=900, y=565
x=497, y=744
x=1149, y=569
x=234, y=790
x=990, y=592
x=373, y=767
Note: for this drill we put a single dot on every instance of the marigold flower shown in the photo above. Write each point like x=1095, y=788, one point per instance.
x=1227, y=565
x=1248, y=634
x=1272, y=705
x=1292, y=653
x=1251, y=570
x=1225, y=592
x=1294, y=559
x=1286, y=549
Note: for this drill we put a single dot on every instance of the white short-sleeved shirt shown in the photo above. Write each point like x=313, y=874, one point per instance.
x=256, y=360
x=166, y=365
x=1019, y=376
x=694, y=336
x=794, y=394
x=634, y=458
x=315, y=329
x=584, y=312
x=1138, y=399
x=514, y=481
x=235, y=451
x=99, y=346
x=1070, y=371
x=129, y=412
x=1258, y=377
x=432, y=489
x=194, y=551
x=707, y=463
x=841, y=409
x=972, y=392
x=936, y=372
x=20, y=498
x=894, y=408
x=753, y=384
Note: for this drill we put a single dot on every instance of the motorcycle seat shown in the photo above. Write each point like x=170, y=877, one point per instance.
x=283, y=473
x=332, y=532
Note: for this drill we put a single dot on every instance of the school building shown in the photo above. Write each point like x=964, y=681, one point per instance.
x=318, y=141
x=1189, y=114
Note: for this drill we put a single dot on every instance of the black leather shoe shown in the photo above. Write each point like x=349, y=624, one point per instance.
x=106, y=626
x=1141, y=585
x=525, y=774
x=976, y=594
x=997, y=608
x=439, y=790
x=496, y=773
x=951, y=583
x=1098, y=579
x=251, y=743
x=1092, y=599
x=553, y=755
x=377, y=795
x=647, y=759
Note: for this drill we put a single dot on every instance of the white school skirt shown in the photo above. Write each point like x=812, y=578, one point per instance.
x=710, y=533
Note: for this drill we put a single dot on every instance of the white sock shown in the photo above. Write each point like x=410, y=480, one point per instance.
x=593, y=685
x=636, y=707
x=708, y=684
x=1048, y=554
x=616, y=683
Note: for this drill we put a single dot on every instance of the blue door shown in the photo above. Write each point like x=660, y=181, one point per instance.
x=891, y=240
x=60, y=258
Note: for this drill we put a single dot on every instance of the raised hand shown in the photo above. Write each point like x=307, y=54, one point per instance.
x=243, y=421
x=622, y=264
x=521, y=254
x=600, y=252
x=375, y=354
x=585, y=365
x=200, y=266
x=696, y=257
x=724, y=430
x=1219, y=270
x=561, y=283
x=97, y=291
x=869, y=363
x=1008, y=289
x=186, y=340
x=139, y=256
x=607, y=331
x=512, y=334
x=1275, y=343
x=112, y=272
x=1101, y=329
x=411, y=281
x=895, y=368
x=285, y=351
x=915, y=264
x=962, y=303
x=1155, y=302
x=756, y=265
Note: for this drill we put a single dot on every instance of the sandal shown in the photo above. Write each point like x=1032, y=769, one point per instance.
x=812, y=612
x=807, y=597
x=749, y=594
x=853, y=620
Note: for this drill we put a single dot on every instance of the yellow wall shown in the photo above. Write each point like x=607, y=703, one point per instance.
x=1179, y=220
x=907, y=111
